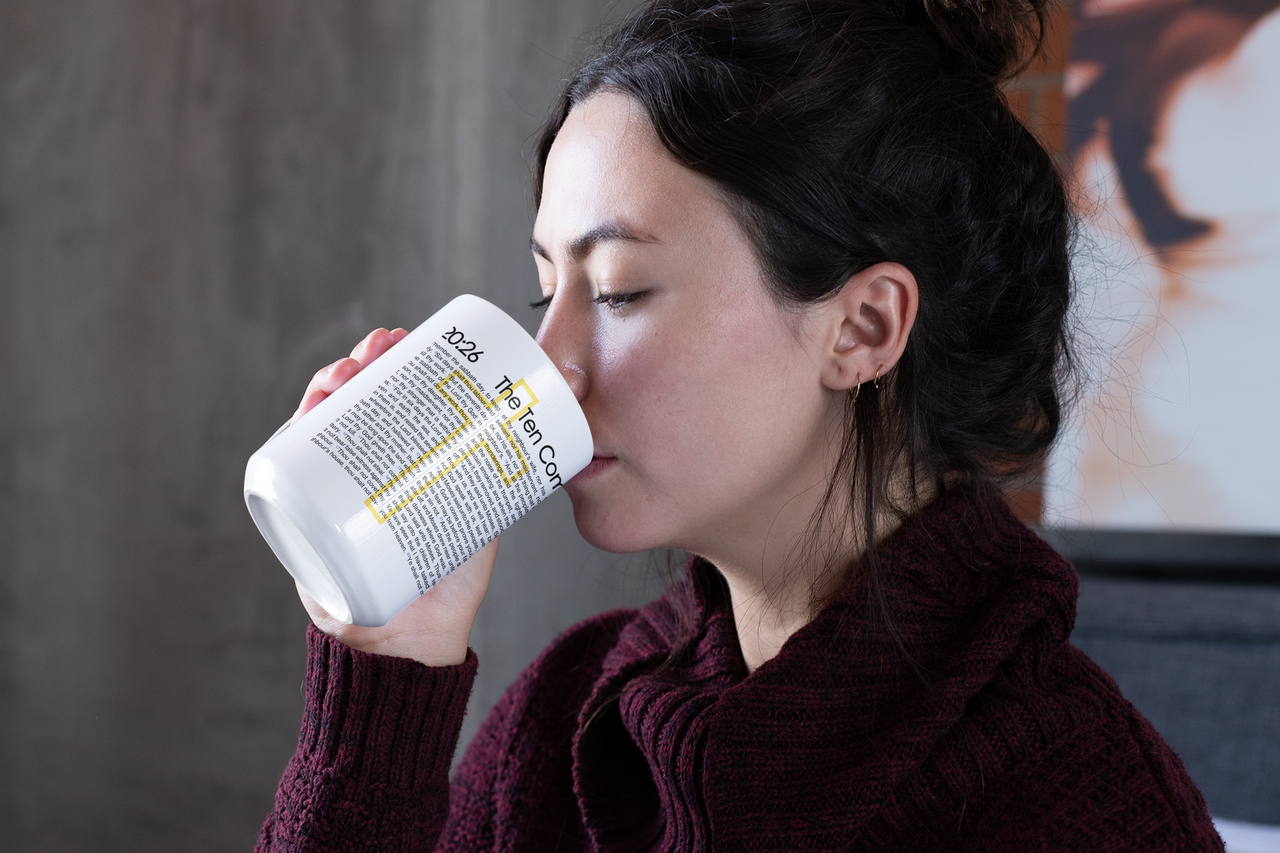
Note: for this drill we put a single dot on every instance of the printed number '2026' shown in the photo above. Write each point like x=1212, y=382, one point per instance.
x=462, y=345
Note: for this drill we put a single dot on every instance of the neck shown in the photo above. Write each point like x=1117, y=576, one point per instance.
x=780, y=591
x=766, y=618
x=775, y=585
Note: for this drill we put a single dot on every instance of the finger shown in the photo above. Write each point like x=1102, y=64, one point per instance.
x=309, y=401
x=374, y=344
x=332, y=377
x=325, y=381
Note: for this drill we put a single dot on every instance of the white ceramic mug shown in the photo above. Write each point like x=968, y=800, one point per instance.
x=417, y=462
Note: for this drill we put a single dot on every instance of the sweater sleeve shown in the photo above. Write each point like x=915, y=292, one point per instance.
x=371, y=771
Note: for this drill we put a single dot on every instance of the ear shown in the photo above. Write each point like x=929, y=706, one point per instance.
x=866, y=325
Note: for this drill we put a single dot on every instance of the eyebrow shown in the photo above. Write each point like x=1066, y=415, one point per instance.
x=584, y=244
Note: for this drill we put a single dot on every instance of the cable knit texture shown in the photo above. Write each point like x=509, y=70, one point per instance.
x=1000, y=736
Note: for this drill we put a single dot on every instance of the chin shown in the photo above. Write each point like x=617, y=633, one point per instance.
x=618, y=532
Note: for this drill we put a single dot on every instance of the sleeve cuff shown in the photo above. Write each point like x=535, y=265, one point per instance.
x=391, y=721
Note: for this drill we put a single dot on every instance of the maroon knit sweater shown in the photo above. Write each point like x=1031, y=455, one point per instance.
x=1017, y=743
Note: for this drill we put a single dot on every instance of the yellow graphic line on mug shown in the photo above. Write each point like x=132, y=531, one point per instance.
x=506, y=395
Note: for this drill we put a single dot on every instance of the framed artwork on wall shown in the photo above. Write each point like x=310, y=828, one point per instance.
x=1174, y=161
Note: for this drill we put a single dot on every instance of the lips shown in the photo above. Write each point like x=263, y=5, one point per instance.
x=597, y=466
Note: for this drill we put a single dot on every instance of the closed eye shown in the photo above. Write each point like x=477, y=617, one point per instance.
x=538, y=305
x=616, y=301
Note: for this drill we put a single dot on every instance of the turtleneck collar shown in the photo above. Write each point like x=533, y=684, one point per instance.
x=823, y=734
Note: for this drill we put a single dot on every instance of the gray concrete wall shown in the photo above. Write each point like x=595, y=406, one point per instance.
x=201, y=203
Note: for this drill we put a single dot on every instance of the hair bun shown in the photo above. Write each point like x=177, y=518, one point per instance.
x=999, y=38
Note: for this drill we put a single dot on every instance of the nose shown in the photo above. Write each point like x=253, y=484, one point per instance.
x=565, y=340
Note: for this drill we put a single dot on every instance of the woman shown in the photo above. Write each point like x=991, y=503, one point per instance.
x=807, y=276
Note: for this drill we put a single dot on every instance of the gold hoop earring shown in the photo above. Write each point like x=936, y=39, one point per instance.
x=875, y=383
x=853, y=395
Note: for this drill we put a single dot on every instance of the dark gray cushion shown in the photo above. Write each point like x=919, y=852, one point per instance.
x=1202, y=662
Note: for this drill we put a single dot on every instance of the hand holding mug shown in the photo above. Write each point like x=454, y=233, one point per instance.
x=405, y=460
x=436, y=628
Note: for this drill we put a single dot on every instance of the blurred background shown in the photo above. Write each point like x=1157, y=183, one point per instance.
x=201, y=203
x=204, y=201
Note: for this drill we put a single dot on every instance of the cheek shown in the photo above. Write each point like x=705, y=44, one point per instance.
x=641, y=378
x=684, y=390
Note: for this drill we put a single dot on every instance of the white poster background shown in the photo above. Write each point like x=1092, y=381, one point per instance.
x=1179, y=426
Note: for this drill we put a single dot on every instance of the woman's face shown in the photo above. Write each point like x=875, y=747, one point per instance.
x=712, y=426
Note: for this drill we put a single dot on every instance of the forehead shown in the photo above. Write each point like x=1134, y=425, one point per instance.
x=608, y=165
